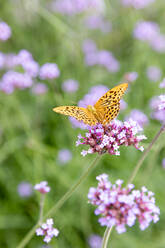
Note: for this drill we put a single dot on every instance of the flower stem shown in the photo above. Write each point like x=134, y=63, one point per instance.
x=106, y=237
x=41, y=208
x=65, y=197
x=134, y=173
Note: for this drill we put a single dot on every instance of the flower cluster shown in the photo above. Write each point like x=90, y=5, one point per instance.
x=137, y=4
x=93, y=56
x=47, y=230
x=97, y=22
x=138, y=116
x=109, y=138
x=24, y=189
x=42, y=187
x=5, y=31
x=158, y=112
x=119, y=206
x=74, y=7
x=150, y=32
x=154, y=73
x=70, y=85
x=23, y=61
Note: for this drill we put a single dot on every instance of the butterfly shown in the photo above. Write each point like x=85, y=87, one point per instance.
x=104, y=110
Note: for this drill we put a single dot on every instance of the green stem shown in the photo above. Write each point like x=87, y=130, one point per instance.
x=66, y=196
x=106, y=237
x=134, y=173
x=41, y=209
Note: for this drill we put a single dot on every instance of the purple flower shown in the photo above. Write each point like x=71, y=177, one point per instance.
x=70, y=85
x=119, y=206
x=131, y=76
x=94, y=241
x=108, y=139
x=153, y=73
x=49, y=71
x=98, y=22
x=157, y=113
x=123, y=105
x=146, y=31
x=24, y=56
x=162, y=84
x=158, y=43
x=31, y=67
x=163, y=163
x=39, y=89
x=138, y=116
x=161, y=106
x=42, y=187
x=89, y=46
x=137, y=4
x=47, y=230
x=89, y=99
x=5, y=31
x=2, y=60
x=24, y=189
x=64, y=156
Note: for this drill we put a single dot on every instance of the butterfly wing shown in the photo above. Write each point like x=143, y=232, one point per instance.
x=81, y=114
x=108, y=106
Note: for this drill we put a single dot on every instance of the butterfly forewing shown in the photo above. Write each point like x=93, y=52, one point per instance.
x=108, y=105
x=81, y=114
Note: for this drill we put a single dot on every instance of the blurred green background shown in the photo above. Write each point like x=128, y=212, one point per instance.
x=32, y=134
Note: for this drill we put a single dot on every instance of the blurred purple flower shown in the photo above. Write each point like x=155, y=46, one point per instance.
x=158, y=43
x=42, y=187
x=137, y=4
x=157, y=114
x=49, y=71
x=163, y=163
x=39, y=89
x=161, y=105
x=5, y=31
x=138, y=116
x=31, y=67
x=94, y=241
x=64, y=156
x=162, y=84
x=89, y=46
x=12, y=80
x=122, y=206
x=73, y=7
x=153, y=73
x=89, y=99
x=123, y=105
x=146, y=31
x=131, y=76
x=24, y=56
x=70, y=85
x=24, y=189
x=98, y=22
x=47, y=230
x=2, y=60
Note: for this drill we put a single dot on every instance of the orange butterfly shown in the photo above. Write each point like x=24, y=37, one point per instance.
x=104, y=110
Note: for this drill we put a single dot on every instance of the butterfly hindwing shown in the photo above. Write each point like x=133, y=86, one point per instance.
x=81, y=114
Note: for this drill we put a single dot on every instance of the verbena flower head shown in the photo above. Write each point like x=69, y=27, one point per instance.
x=47, y=230
x=42, y=187
x=70, y=85
x=138, y=116
x=162, y=84
x=39, y=89
x=163, y=163
x=24, y=189
x=162, y=103
x=158, y=112
x=137, y=4
x=120, y=206
x=94, y=241
x=108, y=139
x=98, y=22
x=64, y=156
x=49, y=71
x=153, y=73
x=5, y=31
x=131, y=76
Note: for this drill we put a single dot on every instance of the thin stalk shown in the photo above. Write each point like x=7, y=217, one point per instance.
x=134, y=173
x=41, y=209
x=106, y=237
x=59, y=204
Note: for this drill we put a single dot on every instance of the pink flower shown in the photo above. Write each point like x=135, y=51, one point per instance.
x=120, y=206
x=70, y=85
x=109, y=138
x=49, y=71
x=162, y=84
x=47, y=230
x=39, y=89
x=158, y=112
x=5, y=31
x=138, y=116
x=131, y=76
x=42, y=187
x=24, y=189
